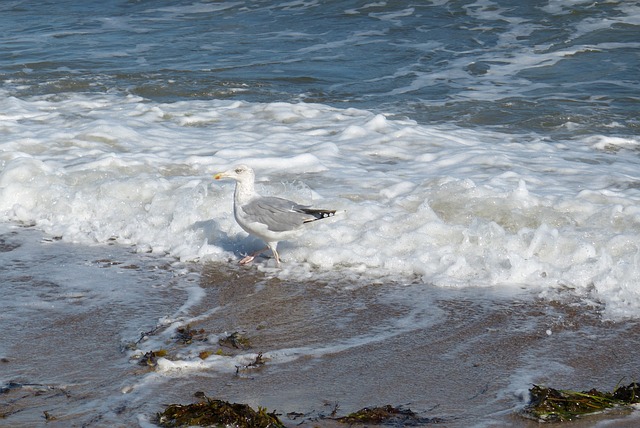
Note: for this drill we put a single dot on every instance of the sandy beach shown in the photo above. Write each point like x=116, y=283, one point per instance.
x=469, y=361
x=462, y=357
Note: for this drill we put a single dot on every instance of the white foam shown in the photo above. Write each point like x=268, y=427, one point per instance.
x=602, y=142
x=453, y=207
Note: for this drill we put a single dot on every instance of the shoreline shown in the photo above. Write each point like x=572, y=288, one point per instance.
x=464, y=356
x=472, y=362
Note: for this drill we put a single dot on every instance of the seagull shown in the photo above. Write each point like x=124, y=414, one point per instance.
x=269, y=218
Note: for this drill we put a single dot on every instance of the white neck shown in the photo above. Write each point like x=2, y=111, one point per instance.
x=244, y=192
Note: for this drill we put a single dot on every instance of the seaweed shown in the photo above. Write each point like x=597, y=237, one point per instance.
x=235, y=340
x=212, y=412
x=387, y=415
x=132, y=346
x=48, y=416
x=186, y=335
x=219, y=413
x=258, y=362
x=203, y=355
x=630, y=394
x=553, y=405
x=151, y=358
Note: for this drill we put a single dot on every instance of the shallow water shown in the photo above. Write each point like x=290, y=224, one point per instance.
x=465, y=356
x=66, y=317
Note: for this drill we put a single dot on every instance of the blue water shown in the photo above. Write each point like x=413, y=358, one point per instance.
x=520, y=66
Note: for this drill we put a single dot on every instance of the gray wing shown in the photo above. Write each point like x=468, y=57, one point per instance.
x=278, y=214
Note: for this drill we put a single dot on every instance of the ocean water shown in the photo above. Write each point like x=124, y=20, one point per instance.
x=466, y=145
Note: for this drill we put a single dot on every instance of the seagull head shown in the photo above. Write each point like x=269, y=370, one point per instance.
x=240, y=173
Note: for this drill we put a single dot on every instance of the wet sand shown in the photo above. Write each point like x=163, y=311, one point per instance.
x=466, y=357
x=469, y=361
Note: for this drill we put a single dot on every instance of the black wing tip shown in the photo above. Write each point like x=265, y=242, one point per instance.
x=318, y=214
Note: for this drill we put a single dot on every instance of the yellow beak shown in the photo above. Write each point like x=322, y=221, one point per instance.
x=218, y=176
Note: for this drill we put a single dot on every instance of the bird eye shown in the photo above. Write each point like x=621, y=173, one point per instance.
x=238, y=170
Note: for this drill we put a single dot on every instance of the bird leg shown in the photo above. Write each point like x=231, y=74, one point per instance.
x=272, y=246
x=248, y=259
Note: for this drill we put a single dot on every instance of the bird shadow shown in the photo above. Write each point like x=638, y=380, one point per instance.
x=238, y=246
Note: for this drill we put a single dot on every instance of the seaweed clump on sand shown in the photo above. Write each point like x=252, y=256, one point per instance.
x=186, y=335
x=213, y=412
x=387, y=415
x=553, y=405
x=235, y=340
x=151, y=358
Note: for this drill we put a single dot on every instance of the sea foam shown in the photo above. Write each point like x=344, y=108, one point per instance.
x=448, y=206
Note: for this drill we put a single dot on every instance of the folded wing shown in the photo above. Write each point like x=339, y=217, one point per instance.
x=280, y=215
